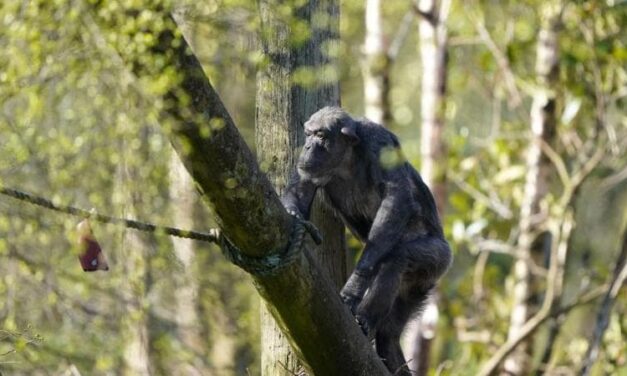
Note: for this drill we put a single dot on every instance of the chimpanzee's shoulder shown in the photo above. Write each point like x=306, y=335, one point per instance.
x=376, y=135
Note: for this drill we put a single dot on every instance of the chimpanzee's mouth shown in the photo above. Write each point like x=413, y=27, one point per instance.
x=305, y=166
x=307, y=169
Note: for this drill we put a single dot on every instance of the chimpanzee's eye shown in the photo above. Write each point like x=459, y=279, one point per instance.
x=320, y=135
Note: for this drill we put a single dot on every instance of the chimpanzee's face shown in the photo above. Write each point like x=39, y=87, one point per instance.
x=326, y=147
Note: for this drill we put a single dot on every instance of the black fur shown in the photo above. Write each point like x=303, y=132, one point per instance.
x=388, y=207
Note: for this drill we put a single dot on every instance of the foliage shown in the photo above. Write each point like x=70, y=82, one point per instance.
x=72, y=112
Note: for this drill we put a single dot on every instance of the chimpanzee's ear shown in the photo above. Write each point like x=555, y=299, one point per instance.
x=349, y=129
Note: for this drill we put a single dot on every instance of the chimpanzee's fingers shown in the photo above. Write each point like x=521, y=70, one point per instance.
x=310, y=227
x=363, y=324
x=295, y=213
x=350, y=299
x=313, y=231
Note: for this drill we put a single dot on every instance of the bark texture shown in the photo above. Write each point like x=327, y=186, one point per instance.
x=533, y=242
x=283, y=105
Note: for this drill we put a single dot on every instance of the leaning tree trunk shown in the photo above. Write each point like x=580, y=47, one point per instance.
x=300, y=295
x=433, y=55
x=531, y=244
x=283, y=105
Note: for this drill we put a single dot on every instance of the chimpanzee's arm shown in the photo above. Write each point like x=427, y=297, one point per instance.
x=298, y=196
x=387, y=229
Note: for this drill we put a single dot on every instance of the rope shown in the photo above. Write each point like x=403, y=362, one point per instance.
x=273, y=261
x=137, y=225
x=267, y=265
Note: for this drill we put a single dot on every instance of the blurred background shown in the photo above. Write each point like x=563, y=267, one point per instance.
x=513, y=111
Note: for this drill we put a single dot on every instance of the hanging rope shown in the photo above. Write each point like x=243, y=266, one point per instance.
x=269, y=264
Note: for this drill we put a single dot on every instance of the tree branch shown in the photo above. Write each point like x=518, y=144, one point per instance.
x=302, y=298
x=400, y=36
x=532, y=325
x=603, y=317
x=515, y=98
x=430, y=17
x=558, y=163
x=498, y=207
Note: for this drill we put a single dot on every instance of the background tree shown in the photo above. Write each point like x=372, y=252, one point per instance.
x=376, y=66
x=534, y=238
x=134, y=254
x=298, y=76
x=433, y=35
x=184, y=200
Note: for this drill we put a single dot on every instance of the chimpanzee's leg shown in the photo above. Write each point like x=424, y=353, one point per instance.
x=427, y=259
x=411, y=298
x=381, y=295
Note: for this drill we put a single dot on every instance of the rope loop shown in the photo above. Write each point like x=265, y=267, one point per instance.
x=274, y=261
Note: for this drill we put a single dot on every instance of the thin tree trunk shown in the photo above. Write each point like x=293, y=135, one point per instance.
x=530, y=246
x=183, y=201
x=133, y=256
x=433, y=54
x=10, y=311
x=553, y=332
x=376, y=66
x=603, y=316
x=136, y=352
x=282, y=107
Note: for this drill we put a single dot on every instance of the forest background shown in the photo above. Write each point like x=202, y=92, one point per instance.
x=535, y=238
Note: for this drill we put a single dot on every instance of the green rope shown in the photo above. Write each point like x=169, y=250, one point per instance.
x=271, y=262
x=267, y=265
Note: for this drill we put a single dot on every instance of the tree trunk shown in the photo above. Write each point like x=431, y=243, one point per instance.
x=282, y=107
x=433, y=54
x=133, y=256
x=300, y=296
x=183, y=201
x=603, y=316
x=531, y=245
x=376, y=66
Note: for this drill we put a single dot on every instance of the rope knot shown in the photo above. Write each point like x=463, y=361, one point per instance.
x=276, y=260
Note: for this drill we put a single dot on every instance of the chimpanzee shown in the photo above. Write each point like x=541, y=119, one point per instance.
x=388, y=207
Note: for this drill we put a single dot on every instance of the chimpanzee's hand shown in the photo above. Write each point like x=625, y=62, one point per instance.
x=363, y=324
x=295, y=212
x=351, y=301
x=354, y=290
x=310, y=227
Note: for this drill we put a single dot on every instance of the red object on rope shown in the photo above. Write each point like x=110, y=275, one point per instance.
x=91, y=256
